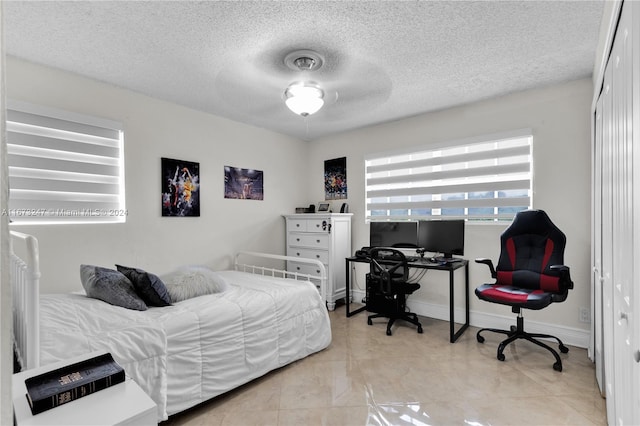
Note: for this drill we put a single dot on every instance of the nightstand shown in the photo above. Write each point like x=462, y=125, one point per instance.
x=122, y=404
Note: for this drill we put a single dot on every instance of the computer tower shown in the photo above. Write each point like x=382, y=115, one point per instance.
x=378, y=303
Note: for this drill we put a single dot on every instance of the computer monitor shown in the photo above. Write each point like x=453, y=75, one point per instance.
x=442, y=236
x=393, y=234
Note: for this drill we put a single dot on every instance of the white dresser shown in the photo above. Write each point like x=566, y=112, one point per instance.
x=325, y=237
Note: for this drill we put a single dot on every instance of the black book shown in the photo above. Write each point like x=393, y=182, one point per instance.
x=68, y=383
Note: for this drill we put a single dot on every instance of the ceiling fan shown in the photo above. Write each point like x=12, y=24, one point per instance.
x=304, y=97
x=308, y=81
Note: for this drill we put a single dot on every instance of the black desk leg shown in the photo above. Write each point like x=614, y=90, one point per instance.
x=347, y=301
x=453, y=335
x=466, y=294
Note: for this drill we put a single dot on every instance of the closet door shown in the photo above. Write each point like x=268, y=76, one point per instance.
x=633, y=319
x=597, y=353
x=620, y=222
x=623, y=220
x=606, y=278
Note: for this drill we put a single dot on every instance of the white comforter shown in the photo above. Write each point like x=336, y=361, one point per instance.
x=187, y=353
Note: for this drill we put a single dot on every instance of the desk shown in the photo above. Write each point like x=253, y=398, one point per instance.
x=423, y=264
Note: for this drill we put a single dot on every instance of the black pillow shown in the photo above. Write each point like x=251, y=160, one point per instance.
x=148, y=286
x=110, y=286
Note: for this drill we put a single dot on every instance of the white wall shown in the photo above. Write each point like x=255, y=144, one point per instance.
x=559, y=118
x=155, y=129
x=558, y=115
x=6, y=341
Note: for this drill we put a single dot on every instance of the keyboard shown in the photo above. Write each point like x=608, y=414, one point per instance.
x=396, y=259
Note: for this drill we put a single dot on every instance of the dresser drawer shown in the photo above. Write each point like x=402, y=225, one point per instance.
x=321, y=255
x=318, y=225
x=297, y=225
x=304, y=268
x=309, y=240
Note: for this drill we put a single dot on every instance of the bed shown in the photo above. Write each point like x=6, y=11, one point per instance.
x=182, y=354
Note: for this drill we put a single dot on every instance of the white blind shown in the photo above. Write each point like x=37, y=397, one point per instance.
x=482, y=179
x=63, y=167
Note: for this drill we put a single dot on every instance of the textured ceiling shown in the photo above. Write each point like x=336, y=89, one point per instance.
x=383, y=60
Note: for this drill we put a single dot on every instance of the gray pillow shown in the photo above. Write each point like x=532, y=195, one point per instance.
x=110, y=286
x=148, y=286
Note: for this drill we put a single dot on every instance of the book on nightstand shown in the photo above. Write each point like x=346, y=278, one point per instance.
x=68, y=383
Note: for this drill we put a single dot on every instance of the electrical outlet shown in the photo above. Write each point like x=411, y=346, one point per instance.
x=585, y=315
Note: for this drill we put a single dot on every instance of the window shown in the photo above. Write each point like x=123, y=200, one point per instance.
x=63, y=167
x=483, y=179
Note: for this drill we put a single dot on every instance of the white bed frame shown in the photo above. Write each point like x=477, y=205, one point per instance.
x=25, y=281
x=319, y=278
x=25, y=286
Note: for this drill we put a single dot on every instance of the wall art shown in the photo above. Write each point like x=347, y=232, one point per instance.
x=335, y=179
x=180, y=188
x=244, y=184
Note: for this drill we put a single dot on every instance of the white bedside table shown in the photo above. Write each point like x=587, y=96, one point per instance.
x=122, y=404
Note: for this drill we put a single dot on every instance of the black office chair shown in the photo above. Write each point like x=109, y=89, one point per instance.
x=530, y=274
x=388, y=287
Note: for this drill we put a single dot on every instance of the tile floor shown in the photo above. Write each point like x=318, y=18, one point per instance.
x=368, y=378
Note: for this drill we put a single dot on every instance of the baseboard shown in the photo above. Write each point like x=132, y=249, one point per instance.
x=568, y=335
x=357, y=296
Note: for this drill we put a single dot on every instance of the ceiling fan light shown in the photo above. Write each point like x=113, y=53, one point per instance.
x=304, y=100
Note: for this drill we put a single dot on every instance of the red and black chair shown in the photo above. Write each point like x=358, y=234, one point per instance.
x=530, y=274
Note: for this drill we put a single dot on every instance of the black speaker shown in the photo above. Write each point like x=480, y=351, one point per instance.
x=344, y=208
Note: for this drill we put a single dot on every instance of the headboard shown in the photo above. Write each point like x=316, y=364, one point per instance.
x=25, y=285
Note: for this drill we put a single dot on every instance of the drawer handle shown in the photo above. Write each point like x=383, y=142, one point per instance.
x=318, y=241
x=297, y=225
x=298, y=268
x=317, y=225
x=317, y=256
x=297, y=239
x=297, y=254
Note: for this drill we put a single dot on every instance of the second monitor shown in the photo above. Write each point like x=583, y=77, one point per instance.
x=442, y=236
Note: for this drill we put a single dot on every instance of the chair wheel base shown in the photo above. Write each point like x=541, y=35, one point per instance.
x=519, y=333
x=408, y=317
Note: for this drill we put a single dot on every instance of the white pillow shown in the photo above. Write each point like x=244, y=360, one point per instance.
x=193, y=281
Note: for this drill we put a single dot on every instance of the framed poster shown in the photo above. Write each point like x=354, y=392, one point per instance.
x=180, y=188
x=243, y=184
x=335, y=179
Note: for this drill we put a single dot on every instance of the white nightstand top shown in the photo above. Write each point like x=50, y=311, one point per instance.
x=122, y=404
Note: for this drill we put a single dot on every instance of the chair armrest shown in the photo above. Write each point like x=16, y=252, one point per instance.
x=489, y=263
x=564, y=273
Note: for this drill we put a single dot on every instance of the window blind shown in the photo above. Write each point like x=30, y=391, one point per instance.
x=486, y=179
x=63, y=167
